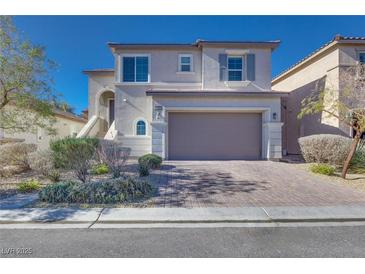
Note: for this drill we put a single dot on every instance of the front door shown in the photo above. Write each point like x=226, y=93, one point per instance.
x=111, y=111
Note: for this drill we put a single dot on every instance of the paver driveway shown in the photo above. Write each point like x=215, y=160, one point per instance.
x=247, y=183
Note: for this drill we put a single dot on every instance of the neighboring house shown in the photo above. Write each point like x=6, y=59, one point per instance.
x=67, y=124
x=317, y=72
x=206, y=100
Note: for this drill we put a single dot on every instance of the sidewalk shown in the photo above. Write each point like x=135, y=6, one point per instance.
x=91, y=217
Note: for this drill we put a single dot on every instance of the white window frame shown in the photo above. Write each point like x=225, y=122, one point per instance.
x=180, y=64
x=243, y=69
x=135, y=68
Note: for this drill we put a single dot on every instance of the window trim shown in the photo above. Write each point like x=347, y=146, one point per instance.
x=135, y=127
x=135, y=68
x=358, y=56
x=243, y=69
x=179, y=71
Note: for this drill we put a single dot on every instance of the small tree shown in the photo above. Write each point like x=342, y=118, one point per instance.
x=114, y=155
x=346, y=104
x=75, y=154
x=25, y=83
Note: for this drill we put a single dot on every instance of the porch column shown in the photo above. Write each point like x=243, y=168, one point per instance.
x=272, y=136
x=158, y=138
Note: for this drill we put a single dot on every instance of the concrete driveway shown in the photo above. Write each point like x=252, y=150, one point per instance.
x=247, y=183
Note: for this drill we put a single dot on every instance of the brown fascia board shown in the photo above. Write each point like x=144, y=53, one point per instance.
x=98, y=71
x=246, y=44
x=122, y=46
x=197, y=44
x=215, y=93
x=68, y=115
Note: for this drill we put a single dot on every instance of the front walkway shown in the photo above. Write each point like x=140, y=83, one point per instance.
x=247, y=183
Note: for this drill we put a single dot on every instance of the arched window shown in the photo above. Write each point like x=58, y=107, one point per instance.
x=141, y=128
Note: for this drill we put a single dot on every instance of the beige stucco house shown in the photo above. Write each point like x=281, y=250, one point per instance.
x=205, y=100
x=320, y=70
x=66, y=124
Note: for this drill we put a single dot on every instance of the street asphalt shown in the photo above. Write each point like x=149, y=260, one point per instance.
x=316, y=241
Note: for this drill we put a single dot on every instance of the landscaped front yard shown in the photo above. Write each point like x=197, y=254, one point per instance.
x=84, y=176
x=82, y=171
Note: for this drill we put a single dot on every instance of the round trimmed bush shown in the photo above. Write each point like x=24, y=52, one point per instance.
x=150, y=160
x=325, y=148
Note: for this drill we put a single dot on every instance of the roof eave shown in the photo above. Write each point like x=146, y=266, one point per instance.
x=216, y=93
x=303, y=62
x=343, y=41
x=98, y=71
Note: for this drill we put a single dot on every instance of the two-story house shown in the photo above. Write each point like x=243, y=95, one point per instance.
x=319, y=71
x=205, y=100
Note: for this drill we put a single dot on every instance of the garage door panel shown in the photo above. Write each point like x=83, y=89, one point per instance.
x=214, y=136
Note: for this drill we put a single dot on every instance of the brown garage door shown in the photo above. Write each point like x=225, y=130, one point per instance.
x=214, y=136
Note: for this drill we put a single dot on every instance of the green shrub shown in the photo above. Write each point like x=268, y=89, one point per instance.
x=75, y=154
x=56, y=193
x=150, y=160
x=61, y=148
x=325, y=148
x=124, y=189
x=358, y=161
x=324, y=169
x=54, y=175
x=100, y=169
x=29, y=186
x=143, y=170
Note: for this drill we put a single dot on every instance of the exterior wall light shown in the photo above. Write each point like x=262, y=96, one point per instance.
x=274, y=116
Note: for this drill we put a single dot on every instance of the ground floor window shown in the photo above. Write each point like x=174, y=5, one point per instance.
x=141, y=127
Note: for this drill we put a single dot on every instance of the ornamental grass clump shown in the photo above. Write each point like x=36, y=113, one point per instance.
x=57, y=192
x=358, y=161
x=124, y=189
x=323, y=169
x=29, y=186
x=100, y=169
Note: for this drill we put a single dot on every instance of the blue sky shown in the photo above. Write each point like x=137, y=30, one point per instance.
x=79, y=42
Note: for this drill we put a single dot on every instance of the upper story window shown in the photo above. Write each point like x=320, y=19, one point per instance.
x=362, y=58
x=185, y=63
x=235, y=68
x=135, y=68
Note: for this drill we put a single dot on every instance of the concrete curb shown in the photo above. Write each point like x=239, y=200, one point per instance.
x=263, y=215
